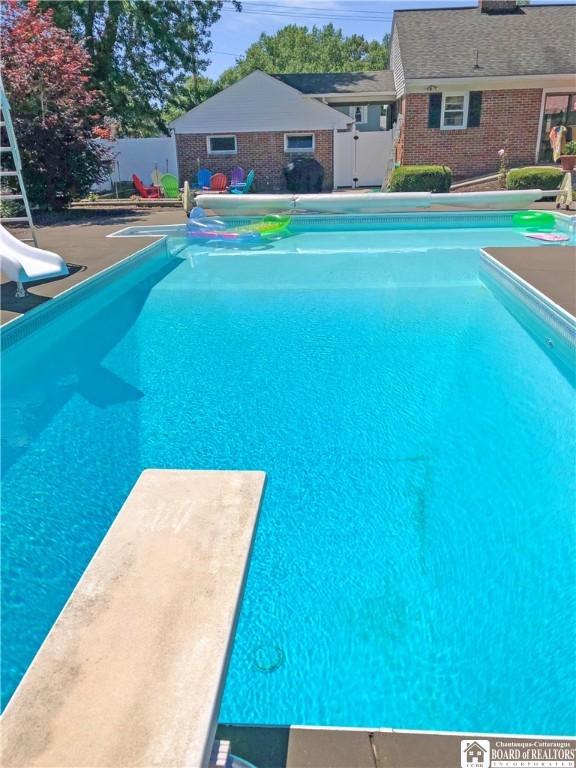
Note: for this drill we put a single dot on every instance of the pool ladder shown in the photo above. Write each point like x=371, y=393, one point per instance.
x=9, y=150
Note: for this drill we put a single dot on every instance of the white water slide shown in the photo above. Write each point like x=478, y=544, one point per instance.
x=24, y=264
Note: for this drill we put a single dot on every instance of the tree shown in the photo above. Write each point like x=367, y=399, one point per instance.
x=191, y=93
x=299, y=49
x=55, y=114
x=142, y=51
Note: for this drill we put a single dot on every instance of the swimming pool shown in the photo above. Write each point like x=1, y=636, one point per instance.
x=413, y=562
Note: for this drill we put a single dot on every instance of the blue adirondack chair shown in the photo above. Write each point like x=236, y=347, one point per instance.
x=243, y=189
x=203, y=178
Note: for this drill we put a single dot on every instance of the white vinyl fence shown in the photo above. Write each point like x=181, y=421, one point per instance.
x=142, y=157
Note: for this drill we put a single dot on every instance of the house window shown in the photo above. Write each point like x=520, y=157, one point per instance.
x=298, y=142
x=454, y=110
x=359, y=113
x=221, y=145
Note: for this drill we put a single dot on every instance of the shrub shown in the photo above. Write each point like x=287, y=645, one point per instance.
x=570, y=148
x=420, y=178
x=534, y=178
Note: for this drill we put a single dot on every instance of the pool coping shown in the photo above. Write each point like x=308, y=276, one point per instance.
x=133, y=669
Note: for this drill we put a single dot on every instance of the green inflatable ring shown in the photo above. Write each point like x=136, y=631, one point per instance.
x=269, y=225
x=534, y=220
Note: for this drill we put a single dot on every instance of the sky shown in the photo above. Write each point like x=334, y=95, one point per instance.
x=232, y=35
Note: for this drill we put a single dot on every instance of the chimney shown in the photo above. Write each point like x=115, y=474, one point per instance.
x=498, y=6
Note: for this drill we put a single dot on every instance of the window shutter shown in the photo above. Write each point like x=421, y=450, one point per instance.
x=474, y=109
x=434, y=110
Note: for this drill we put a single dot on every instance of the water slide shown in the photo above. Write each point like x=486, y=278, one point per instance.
x=24, y=264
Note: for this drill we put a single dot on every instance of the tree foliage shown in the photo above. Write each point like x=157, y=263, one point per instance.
x=192, y=92
x=299, y=49
x=142, y=51
x=55, y=114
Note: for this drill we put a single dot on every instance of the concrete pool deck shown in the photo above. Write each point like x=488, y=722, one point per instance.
x=82, y=243
x=302, y=747
x=550, y=269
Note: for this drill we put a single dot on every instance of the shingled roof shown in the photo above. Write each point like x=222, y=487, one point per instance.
x=533, y=40
x=381, y=81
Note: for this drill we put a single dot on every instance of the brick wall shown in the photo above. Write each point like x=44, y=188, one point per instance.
x=264, y=152
x=507, y=116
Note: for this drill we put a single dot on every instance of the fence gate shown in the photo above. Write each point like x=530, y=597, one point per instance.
x=361, y=157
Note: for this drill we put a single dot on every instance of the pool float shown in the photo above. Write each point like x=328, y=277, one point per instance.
x=269, y=225
x=534, y=220
x=548, y=237
x=204, y=227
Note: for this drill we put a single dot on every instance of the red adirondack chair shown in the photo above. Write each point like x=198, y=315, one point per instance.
x=143, y=190
x=218, y=183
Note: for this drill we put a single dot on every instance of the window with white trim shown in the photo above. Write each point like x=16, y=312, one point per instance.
x=454, y=110
x=222, y=145
x=298, y=142
x=359, y=113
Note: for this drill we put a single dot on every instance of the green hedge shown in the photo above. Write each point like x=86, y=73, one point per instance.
x=534, y=178
x=420, y=178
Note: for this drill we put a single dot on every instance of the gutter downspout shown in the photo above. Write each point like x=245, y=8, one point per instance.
x=334, y=159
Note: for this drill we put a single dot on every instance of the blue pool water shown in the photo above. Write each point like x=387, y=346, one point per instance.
x=413, y=565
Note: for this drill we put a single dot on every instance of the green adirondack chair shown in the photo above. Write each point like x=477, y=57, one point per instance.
x=170, y=185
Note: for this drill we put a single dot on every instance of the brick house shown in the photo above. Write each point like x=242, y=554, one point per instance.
x=463, y=83
x=264, y=121
x=472, y=80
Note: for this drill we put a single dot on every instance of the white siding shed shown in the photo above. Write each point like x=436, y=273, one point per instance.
x=396, y=64
x=260, y=103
